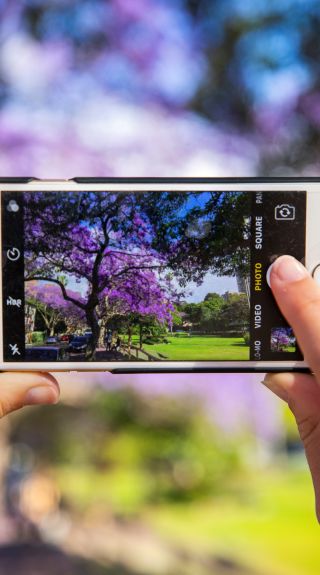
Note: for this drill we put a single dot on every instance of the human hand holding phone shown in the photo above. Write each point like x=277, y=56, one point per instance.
x=298, y=297
x=20, y=389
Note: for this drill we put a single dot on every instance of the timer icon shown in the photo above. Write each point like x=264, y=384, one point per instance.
x=13, y=254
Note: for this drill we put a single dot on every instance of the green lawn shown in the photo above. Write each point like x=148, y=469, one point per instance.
x=201, y=348
x=273, y=531
x=267, y=522
x=291, y=348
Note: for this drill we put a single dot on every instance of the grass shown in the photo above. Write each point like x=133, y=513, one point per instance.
x=266, y=522
x=201, y=348
x=272, y=531
x=291, y=348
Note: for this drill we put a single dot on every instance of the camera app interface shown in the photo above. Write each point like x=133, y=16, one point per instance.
x=146, y=276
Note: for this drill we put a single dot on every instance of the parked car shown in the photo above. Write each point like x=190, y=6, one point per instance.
x=46, y=353
x=78, y=344
x=66, y=337
x=88, y=335
x=52, y=340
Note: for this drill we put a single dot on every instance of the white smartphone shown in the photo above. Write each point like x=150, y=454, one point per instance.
x=151, y=275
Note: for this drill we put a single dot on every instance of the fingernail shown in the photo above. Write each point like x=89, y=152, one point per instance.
x=265, y=380
x=270, y=382
x=41, y=394
x=287, y=269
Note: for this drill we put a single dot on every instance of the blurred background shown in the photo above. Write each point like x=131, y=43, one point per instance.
x=172, y=474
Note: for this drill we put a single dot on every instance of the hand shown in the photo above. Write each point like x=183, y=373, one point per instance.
x=18, y=389
x=298, y=297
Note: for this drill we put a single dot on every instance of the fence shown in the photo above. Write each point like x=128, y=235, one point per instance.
x=136, y=353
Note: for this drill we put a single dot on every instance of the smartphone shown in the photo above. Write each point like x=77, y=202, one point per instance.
x=151, y=274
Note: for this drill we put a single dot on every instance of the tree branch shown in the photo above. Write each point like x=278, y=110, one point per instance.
x=62, y=287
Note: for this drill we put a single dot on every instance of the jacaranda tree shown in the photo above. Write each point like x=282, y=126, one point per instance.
x=52, y=307
x=101, y=242
x=123, y=246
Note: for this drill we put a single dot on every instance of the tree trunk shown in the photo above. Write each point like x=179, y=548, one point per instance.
x=129, y=337
x=140, y=335
x=48, y=327
x=92, y=320
x=101, y=336
x=52, y=326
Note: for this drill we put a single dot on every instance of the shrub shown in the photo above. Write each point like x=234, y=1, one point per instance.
x=246, y=337
x=38, y=336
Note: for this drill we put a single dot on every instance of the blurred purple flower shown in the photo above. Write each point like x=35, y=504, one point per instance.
x=237, y=403
x=108, y=136
x=101, y=88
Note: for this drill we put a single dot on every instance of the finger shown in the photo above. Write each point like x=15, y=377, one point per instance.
x=23, y=388
x=302, y=393
x=298, y=297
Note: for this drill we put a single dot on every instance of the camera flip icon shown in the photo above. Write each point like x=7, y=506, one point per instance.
x=285, y=212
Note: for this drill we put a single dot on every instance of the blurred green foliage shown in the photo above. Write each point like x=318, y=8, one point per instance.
x=271, y=528
x=127, y=449
x=160, y=460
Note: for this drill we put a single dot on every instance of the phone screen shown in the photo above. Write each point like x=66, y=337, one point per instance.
x=146, y=276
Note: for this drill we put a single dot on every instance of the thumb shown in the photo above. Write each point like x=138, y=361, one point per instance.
x=302, y=393
x=18, y=389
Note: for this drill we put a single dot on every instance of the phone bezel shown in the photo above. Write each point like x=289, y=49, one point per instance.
x=309, y=185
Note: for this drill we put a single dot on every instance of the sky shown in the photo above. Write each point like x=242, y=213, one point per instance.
x=211, y=283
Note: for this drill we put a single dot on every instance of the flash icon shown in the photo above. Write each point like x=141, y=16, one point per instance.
x=14, y=349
